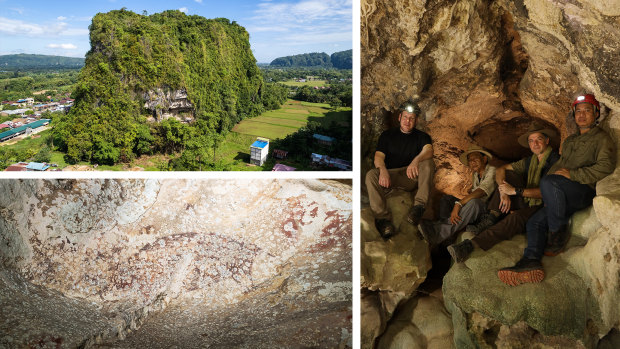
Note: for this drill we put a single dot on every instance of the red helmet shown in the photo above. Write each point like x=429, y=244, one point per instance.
x=589, y=98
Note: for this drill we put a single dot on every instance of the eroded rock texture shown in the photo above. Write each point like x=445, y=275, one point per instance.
x=482, y=71
x=185, y=263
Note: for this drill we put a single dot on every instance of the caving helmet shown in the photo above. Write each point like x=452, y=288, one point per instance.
x=410, y=107
x=588, y=98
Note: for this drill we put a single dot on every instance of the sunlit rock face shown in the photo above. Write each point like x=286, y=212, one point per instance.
x=482, y=71
x=250, y=263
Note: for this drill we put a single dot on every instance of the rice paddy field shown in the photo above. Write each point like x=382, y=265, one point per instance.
x=274, y=124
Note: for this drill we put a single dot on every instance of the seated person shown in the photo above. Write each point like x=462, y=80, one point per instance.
x=518, y=195
x=455, y=214
x=587, y=157
x=403, y=160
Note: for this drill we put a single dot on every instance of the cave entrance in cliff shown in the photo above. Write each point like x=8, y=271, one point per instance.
x=499, y=133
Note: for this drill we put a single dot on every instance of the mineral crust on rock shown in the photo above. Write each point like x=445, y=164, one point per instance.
x=186, y=263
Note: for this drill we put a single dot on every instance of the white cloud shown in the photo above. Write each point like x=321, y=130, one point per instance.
x=198, y=1
x=18, y=10
x=304, y=11
x=64, y=46
x=17, y=28
x=61, y=18
x=183, y=9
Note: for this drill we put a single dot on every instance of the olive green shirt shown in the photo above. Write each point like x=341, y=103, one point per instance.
x=589, y=157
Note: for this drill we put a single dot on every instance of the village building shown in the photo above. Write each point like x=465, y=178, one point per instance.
x=20, y=166
x=25, y=129
x=328, y=161
x=324, y=140
x=282, y=167
x=259, y=151
x=279, y=154
x=37, y=166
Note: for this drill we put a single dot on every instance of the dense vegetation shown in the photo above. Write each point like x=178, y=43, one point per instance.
x=131, y=54
x=24, y=61
x=342, y=59
x=339, y=60
x=39, y=84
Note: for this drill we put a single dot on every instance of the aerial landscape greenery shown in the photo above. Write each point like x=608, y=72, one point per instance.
x=168, y=91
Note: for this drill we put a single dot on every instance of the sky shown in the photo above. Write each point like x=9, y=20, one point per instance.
x=277, y=27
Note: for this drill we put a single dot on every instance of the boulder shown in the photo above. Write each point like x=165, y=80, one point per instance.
x=421, y=322
x=392, y=268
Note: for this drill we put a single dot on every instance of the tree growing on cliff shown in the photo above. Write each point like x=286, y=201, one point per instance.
x=131, y=54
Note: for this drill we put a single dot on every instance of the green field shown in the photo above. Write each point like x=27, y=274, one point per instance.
x=234, y=151
x=307, y=83
x=279, y=123
x=274, y=124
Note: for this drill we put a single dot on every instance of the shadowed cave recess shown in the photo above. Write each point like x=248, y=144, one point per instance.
x=482, y=71
x=175, y=263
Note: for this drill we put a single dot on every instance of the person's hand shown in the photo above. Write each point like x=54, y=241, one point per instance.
x=384, y=178
x=563, y=172
x=454, y=216
x=506, y=188
x=504, y=204
x=412, y=170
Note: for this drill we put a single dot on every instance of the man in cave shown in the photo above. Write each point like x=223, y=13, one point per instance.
x=517, y=198
x=587, y=157
x=455, y=214
x=403, y=160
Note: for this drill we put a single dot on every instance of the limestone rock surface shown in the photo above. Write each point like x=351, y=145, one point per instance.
x=227, y=261
x=391, y=270
x=482, y=71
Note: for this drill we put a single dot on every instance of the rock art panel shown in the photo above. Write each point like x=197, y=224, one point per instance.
x=182, y=250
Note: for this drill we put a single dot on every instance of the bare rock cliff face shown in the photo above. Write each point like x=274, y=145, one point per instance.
x=167, y=104
x=186, y=263
x=483, y=71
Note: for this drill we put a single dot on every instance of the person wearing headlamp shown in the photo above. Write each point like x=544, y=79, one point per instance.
x=587, y=157
x=403, y=160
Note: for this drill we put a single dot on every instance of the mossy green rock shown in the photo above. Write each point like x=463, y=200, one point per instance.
x=559, y=305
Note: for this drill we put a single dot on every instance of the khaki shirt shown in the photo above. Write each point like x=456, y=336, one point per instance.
x=589, y=157
x=486, y=183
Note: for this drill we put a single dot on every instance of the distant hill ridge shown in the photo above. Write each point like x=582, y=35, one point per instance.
x=25, y=61
x=340, y=60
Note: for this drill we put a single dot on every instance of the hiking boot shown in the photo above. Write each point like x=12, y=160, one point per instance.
x=486, y=221
x=525, y=271
x=556, y=242
x=428, y=232
x=385, y=227
x=461, y=251
x=415, y=214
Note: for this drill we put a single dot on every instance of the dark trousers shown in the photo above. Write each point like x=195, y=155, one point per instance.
x=510, y=225
x=562, y=198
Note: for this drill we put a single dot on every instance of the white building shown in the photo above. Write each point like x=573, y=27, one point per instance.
x=258, y=151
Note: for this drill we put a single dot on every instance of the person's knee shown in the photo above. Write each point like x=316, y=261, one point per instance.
x=550, y=181
x=372, y=177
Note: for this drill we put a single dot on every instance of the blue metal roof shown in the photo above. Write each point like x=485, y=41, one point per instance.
x=37, y=166
x=259, y=144
x=323, y=138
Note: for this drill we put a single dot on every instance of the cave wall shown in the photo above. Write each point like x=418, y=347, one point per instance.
x=187, y=263
x=482, y=70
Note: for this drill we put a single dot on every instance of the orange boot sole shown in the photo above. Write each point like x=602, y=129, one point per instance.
x=515, y=278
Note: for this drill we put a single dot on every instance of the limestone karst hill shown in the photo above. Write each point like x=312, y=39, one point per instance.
x=153, y=68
